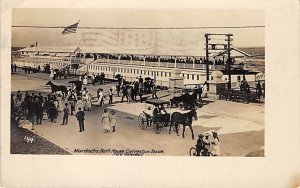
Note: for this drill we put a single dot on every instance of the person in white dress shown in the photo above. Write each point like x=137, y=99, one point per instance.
x=87, y=101
x=60, y=103
x=204, y=90
x=51, y=74
x=84, y=81
x=101, y=97
x=113, y=120
x=56, y=104
x=79, y=104
x=106, y=119
x=212, y=140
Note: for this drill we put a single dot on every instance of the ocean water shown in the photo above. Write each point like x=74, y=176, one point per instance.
x=257, y=61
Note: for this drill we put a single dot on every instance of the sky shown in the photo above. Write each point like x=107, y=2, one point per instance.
x=183, y=41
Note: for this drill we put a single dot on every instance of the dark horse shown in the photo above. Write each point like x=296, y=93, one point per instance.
x=56, y=88
x=185, y=119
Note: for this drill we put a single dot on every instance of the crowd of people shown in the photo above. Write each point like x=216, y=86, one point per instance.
x=31, y=109
x=171, y=59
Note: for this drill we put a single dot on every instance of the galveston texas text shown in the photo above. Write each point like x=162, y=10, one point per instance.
x=126, y=152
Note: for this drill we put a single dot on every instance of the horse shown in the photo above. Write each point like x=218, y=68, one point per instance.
x=56, y=88
x=185, y=119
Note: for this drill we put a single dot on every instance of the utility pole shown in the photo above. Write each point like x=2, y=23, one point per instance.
x=206, y=57
x=229, y=59
x=216, y=47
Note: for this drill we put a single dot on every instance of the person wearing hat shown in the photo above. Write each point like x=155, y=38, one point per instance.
x=211, y=140
x=66, y=115
x=200, y=146
x=80, y=117
x=141, y=80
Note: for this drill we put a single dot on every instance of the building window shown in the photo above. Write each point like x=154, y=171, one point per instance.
x=165, y=74
x=183, y=75
x=161, y=74
x=147, y=72
x=188, y=76
x=197, y=77
x=193, y=77
x=137, y=71
x=169, y=74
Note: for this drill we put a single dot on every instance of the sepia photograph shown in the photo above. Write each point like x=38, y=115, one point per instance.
x=138, y=82
x=151, y=94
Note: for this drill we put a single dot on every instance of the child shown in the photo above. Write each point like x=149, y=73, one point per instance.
x=113, y=120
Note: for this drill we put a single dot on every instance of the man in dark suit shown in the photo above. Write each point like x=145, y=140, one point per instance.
x=80, y=117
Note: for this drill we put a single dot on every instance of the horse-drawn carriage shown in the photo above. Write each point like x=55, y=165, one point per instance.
x=159, y=118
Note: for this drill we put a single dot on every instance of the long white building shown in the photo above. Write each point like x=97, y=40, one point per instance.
x=130, y=66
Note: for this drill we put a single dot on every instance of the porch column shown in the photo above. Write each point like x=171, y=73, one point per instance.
x=193, y=63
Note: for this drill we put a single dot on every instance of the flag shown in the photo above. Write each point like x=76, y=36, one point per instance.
x=70, y=29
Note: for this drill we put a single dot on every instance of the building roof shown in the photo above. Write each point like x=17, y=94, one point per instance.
x=56, y=49
x=234, y=52
x=118, y=50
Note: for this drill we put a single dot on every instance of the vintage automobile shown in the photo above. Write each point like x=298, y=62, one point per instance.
x=185, y=100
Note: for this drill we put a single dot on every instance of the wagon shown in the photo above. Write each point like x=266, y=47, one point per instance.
x=157, y=121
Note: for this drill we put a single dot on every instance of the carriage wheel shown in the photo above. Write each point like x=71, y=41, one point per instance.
x=142, y=119
x=193, y=152
x=157, y=128
x=181, y=106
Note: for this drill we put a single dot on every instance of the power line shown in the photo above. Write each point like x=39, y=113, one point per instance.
x=165, y=28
